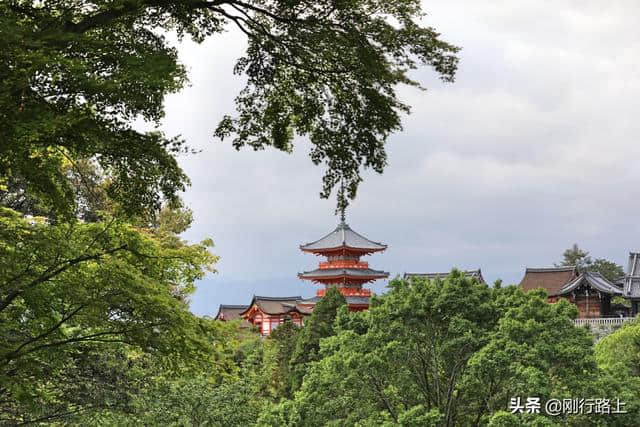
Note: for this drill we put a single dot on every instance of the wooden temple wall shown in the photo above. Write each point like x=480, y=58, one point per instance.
x=269, y=322
x=588, y=306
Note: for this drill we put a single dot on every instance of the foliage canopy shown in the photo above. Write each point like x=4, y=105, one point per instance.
x=79, y=72
x=574, y=256
x=452, y=352
x=78, y=300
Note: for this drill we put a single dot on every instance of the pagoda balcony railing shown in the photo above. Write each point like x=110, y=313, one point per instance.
x=346, y=291
x=602, y=321
x=344, y=263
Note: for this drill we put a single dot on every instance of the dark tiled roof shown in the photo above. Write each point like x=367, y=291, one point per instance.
x=632, y=278
x=550, y=279
x=474, y=274
x=304, y=310
x=275, y=305
x=594, y=280
x=343, y=237
x=343, y=272
x=230, y=312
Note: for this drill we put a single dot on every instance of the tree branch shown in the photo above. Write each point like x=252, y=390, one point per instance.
x=383, y=397
x=125, y=8
x=15, y=352
x=48, y=274
x=86, y=338
x=102, y=18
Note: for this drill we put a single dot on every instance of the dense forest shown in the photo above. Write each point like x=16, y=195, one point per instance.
x=95, y=278
x=427, y=353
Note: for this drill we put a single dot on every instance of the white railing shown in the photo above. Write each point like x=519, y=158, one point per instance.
x=602, y=321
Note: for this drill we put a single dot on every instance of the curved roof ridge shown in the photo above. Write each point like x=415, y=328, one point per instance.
x=595, y=280
x=346, y=227
x=296, y=297
x=550, y=269
x=344, y=269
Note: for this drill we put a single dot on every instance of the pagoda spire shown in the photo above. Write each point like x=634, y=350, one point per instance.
x=342, y=202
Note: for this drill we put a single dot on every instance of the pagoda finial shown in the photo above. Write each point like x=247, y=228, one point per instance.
x=342, y=203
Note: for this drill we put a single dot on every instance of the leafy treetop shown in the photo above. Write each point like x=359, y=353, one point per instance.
x=78, y=73
x=574, y=256
x=78, y=299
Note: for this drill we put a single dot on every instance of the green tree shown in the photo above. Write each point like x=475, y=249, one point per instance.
x=449, y=352
x=77, y=73
x=410, y=358
x=507, y=419
x=80, y=299
x=618, y=359
x=86, y=188
x=191, y=400
x=317, y=326
x=281, y=346
x=574, y=256
x=535, y=351
x=620, y=351
x=189, y=395
x=608, y=269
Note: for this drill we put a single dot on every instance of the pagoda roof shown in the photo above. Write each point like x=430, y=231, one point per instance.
x=275, y=305
x=549, y=279
x=343, y=237
x=472, y=274
x=632, y=278
x=595, y=280
x=322, y=273
x=230, y=312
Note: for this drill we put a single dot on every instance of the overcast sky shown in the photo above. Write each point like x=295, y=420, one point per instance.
x=531, y=149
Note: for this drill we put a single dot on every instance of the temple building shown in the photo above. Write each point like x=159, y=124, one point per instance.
x=631, y=282
x=343, y=269
x=471, y=274
x=267, y=313
x=589, y=291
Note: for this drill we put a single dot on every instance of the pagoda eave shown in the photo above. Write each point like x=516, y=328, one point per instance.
x=343, y=239
x=341, y=280
x=343, y=276
x=341, y=250
x=348, y=273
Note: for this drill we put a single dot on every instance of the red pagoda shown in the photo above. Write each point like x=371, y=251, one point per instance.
x=343, y=248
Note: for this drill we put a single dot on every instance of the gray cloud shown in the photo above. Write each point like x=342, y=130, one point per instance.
x=532, y=148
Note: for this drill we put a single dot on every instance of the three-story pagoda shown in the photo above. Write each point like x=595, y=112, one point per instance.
x=343, y=248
